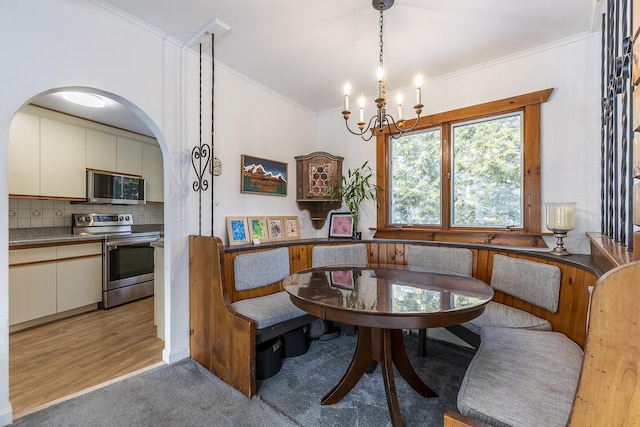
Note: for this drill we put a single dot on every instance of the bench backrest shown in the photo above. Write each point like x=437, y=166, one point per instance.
x=609, y=386
x=340, y=255
x=259, y=269
x=455, y=260
x=533, y=282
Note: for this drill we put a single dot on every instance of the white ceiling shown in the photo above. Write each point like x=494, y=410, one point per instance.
x=307, y=50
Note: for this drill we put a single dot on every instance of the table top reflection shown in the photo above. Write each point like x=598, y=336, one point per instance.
x=405, y=293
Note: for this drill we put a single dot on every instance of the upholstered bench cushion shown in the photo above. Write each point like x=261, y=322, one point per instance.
x=503, y=316
x=268, y=310
x=521, y=377
x=258, y=269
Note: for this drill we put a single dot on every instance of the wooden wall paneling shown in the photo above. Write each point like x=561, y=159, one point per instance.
x=373, y=249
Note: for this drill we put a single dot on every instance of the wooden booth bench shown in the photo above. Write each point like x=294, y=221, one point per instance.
x=228, y=319
x=224, y=341
x=533, y=378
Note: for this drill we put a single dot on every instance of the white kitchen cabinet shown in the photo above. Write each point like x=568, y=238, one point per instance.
x=24, y=150
x=79, y=275
x=32, y=284
x=152, y=170
x=128, y=156
x=101, y=150
x=62, y=159
x=54, y=279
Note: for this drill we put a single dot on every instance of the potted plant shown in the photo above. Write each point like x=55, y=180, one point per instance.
x=354, y=188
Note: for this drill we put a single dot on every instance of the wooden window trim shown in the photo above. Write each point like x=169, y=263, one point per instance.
x=530, y=234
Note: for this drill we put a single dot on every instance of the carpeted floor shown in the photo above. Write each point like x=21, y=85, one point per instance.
x=186, y=394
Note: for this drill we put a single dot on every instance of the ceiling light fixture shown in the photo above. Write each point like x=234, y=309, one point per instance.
x=85, y=99
x=381, y=119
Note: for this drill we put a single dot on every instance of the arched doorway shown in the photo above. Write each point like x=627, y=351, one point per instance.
x=54, y=212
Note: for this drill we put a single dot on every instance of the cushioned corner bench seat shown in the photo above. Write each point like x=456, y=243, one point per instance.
x=521, y=377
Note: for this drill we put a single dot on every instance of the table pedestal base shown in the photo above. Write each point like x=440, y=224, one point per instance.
x=384, y=346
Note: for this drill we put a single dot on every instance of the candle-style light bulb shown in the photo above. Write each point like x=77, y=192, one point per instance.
x=361, y=103
x=418, y=89
x=399, y=99
x=347, y=89
x=380, y=79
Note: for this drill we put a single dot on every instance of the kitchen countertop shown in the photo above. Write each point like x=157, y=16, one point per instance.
x=51, y=235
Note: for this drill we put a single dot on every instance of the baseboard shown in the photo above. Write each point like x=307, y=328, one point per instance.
x=175, y=357
x=6, y=416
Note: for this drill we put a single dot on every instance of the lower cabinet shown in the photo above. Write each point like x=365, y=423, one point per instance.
x=49, y=280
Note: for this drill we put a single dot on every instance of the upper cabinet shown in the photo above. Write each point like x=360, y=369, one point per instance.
x=50, y=152
x=129, y=156
x=152, y=170
x=62, y=160
x=101, y=150
x=24, y=158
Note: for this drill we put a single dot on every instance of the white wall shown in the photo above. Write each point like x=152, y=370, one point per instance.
x=50, y=44
x=570, y=134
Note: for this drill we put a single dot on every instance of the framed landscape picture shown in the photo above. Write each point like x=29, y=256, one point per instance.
x=291, y=227
x=238, y=230
x=258, y=228
x=262, y=176
x=275, y=225
x=341, y=224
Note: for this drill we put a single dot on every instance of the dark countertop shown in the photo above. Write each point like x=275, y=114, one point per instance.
x=19, y=237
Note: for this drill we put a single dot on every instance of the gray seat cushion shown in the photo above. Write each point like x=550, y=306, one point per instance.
x=533, y=282
x=258, y=269
x=503, y=316
x=521, y=377
x=268, y=310
x=455, y=260
x=340, y=255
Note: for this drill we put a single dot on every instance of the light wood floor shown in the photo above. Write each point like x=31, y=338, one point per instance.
x=52, y=361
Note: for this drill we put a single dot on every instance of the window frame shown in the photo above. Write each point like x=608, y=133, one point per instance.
x=530, y=233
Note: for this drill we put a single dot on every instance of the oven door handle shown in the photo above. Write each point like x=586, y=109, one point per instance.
x=129, y=242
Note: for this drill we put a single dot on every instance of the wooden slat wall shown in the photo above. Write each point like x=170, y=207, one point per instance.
x=570, y=319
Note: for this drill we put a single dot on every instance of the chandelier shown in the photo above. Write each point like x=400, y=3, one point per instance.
x=381, y=119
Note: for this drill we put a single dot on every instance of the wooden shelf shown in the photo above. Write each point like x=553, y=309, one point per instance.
x=318, y=209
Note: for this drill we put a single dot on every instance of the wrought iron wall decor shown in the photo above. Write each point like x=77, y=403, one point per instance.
x=616, y=123
x=202, y=157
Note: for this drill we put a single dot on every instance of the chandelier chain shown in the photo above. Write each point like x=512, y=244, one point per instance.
x=381, y=33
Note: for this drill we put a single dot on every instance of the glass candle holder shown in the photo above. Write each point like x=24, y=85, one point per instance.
x=560, y=220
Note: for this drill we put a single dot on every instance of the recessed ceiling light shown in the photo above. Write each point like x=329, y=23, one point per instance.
x=84, y=99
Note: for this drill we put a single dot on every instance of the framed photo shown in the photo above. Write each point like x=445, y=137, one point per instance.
x=291, y=227
x=262, y=176
x=275, y=225
x=258, y=228
x=238, y=230
x=341, y=224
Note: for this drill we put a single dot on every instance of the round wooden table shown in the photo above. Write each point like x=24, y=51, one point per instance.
x=382, y=301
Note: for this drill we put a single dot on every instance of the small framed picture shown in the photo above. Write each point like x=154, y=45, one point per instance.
x=291, y=227
x=341, y=224
x=238, y=230
x=258, y=228
x=275, y=226
x=263, y=176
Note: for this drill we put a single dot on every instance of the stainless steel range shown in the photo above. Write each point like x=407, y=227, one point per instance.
x=128, y=257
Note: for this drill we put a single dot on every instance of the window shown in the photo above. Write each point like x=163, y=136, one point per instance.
x=486, y=172
x=473, y=173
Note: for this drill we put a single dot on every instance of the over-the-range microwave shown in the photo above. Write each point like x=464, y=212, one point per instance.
x=116, y=189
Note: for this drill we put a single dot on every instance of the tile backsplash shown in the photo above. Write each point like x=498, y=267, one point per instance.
x=36, y=213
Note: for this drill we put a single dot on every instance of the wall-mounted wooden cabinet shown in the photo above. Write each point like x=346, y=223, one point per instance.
x=317, y=173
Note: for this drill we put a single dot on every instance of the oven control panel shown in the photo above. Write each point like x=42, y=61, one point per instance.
x=97, y=220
